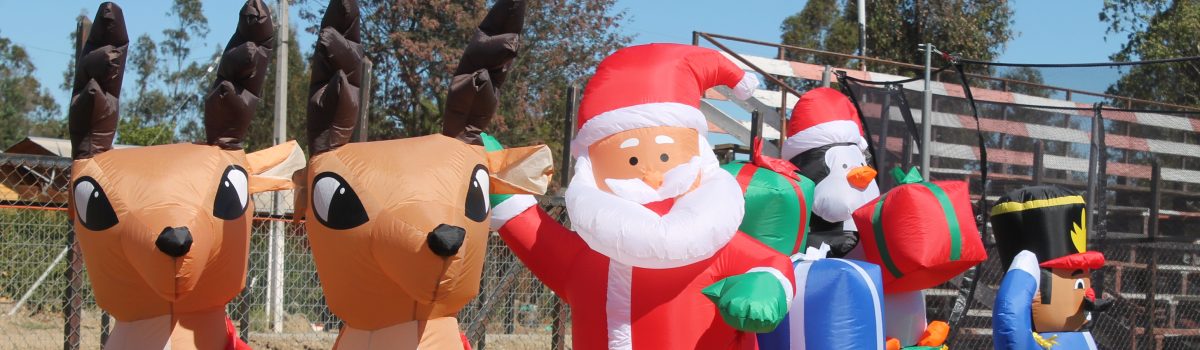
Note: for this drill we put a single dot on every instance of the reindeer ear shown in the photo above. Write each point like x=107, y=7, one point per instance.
x=473, y=97
x=333, y=89
x=271, y=169
x=235, y=94
x=521, y=170
x=96, y=90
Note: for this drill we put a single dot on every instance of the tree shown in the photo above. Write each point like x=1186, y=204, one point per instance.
x=1156, y=29
x=26, y=108
x=973, y=29
x=1025, y=74
x=414, y=45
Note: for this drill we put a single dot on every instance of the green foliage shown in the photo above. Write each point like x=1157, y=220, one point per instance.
x=141, y=132
x=969, y=28
x=1025, y=74
x=1156, y=29
x=25, y=107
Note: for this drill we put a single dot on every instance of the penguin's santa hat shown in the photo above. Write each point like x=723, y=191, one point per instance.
x=654, y=85
x=823, y=116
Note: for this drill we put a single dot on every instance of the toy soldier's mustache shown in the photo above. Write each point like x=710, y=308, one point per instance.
x=1091, y=304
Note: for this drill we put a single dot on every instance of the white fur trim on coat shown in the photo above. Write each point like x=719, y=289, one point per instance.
x=510, y=208
x=646, y=115
x=745, y=87
x=836, y=131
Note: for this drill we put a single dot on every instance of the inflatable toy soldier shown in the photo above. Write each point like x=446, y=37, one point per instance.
x=1046, y=295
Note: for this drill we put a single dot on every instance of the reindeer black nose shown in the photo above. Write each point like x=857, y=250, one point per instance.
x=175, y=241
x=446, y=239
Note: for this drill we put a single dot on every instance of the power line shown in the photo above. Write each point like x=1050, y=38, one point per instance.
x=1078, y=65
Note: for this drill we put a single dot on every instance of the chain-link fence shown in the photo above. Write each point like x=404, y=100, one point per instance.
x=1136, y=209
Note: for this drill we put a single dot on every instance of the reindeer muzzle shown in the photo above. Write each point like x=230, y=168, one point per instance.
x=446, y=239
x=174, y=241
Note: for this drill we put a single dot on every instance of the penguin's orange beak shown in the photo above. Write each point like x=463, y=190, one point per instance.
x=861, y=177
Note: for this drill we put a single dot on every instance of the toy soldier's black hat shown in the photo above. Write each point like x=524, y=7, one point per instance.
x=1047, y=220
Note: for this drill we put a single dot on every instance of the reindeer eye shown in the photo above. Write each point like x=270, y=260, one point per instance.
x=1079, y=284
x=231, y=194
x=335, y=203
x=92, y=207
x=477, y=194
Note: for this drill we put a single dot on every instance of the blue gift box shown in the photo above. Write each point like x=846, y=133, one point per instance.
x=838, y=306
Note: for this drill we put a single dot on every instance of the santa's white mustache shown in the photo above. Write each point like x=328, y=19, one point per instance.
x=676, y=182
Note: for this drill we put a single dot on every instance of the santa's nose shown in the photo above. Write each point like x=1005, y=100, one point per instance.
x=861, y=177
x=654, y=179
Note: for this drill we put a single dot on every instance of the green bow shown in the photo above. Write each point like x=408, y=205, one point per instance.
x=913, y=176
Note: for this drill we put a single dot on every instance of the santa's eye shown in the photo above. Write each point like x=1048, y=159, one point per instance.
x=1079, y=284
x=477, y=194
x=231, y=199
x=335, y=203
x=633, y=161
x=92, y=207
x=664, y=157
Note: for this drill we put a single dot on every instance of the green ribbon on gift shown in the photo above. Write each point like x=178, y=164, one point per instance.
x=914, y=177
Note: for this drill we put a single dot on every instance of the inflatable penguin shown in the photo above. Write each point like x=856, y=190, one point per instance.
x=1045, y=297
x=825, y=141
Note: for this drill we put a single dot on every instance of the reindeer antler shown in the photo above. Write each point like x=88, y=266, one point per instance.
x=473, y=99
x=96, y=91
x=333, y=89
x=235, y=94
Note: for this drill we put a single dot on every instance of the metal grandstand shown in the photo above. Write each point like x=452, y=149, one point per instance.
x=1144, y=185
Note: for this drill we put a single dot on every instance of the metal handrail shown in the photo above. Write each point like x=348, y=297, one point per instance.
x=1005, y=81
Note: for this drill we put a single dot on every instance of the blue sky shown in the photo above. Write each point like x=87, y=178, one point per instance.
x=1049, y=31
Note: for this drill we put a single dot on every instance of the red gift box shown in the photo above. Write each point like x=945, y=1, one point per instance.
x=921, y=233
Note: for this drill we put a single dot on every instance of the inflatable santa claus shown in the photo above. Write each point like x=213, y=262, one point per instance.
x=655, y=260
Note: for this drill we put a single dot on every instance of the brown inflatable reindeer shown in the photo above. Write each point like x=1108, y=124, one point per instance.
x=164, y=229
x=399, y=228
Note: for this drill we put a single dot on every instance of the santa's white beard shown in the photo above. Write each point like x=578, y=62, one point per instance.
x=699, y=224
x=676, y=182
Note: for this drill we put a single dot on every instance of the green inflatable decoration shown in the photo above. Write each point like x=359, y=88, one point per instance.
x=777, y=205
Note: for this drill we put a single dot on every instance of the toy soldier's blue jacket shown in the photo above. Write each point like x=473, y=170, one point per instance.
x=1012, y=327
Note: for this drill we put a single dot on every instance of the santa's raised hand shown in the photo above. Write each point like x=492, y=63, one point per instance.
x=655, y=219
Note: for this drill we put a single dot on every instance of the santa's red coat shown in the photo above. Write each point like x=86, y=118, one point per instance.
x=611, y=302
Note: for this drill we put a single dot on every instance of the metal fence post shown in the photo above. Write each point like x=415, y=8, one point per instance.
x=558, y=336
x=1151, y=294
x=885, y=112
x=73, y=298
x=1098, y=199
x=926, y=107
x=1155, y=198
x=364, y=98
x=825, y=75
x=1039, y=162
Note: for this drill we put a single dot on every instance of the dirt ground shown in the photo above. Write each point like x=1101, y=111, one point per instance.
x=45, y=331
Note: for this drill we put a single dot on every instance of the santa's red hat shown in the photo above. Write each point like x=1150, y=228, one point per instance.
x=654, y=85
x=823, y=116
